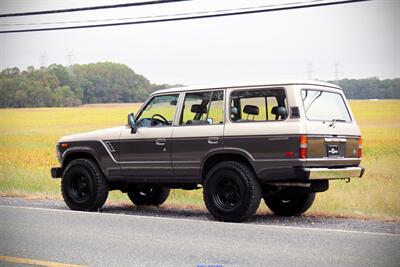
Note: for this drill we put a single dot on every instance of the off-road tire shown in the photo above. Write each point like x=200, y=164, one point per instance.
x=148, y=195
x=83, y=185
x=231, y=192
x=289, y=205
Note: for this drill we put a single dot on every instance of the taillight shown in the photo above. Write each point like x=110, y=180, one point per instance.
x=303, y=146
x=359, y=154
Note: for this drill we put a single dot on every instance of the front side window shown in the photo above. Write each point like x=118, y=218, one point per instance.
x=159, y=111
x=203, y=108
x=324, y=106
x=258, y=105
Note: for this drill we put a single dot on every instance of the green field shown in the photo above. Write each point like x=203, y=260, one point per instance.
x=28, y=138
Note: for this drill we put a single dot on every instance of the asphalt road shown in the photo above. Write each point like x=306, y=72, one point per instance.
x=107, y=239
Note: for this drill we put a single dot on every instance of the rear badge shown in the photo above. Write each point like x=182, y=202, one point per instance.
x=333, y=150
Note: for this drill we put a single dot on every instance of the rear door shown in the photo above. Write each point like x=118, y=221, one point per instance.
x=332, y=130
x=199, y=130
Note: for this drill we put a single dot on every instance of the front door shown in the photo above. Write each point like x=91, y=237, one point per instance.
x=146, y=154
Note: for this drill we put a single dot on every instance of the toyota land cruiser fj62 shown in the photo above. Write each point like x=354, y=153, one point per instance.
x=282, y=142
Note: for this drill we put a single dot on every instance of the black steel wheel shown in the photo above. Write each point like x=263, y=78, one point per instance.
x=289, y=203
x=83, y=186
x=148, y=195
x=231, y=191
x=228, y=192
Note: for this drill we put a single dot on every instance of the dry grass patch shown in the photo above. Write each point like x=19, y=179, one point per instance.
x=28, y=138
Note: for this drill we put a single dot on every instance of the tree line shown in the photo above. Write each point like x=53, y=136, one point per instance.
x=370, y=88
x=57, y=85
x=107, y=82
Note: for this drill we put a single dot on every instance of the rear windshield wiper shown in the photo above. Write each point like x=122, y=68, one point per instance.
x=312, y=101
x=336, y=120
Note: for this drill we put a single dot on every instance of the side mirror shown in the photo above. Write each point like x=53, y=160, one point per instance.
x=282, y=112
x=131, y=122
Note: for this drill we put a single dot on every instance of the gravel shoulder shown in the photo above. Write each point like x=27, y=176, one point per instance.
x=307, y=221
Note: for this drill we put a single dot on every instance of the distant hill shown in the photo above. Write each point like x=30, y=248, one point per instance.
x=58, y=85
x=107, y=82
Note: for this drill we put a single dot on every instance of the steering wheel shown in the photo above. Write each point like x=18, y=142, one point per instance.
x=163, y=120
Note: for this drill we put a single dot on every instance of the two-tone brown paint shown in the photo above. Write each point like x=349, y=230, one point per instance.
x=271, y=148
x=272, y=157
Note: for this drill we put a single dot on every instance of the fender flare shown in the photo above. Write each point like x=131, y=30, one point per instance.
x=228, y=150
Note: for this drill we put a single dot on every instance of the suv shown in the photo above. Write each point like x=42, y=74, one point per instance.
x=282, y=142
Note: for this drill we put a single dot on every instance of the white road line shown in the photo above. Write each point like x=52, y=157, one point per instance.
x=203, y=221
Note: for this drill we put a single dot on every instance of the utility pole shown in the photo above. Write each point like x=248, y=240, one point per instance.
x=70, y=57
x=336, y=72
x=43, y=59
x=310, y=70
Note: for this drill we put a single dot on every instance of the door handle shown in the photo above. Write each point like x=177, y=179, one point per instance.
x=161, y=141
x=213, y=140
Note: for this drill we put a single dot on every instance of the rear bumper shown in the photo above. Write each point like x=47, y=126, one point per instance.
x=56, y=172
x=333, y=173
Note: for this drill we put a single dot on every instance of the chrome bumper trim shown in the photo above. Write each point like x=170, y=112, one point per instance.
x=334, y=173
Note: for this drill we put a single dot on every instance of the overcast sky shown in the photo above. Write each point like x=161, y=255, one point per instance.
x=363, y=39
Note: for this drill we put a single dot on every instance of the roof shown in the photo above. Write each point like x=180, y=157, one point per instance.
x=247, y=84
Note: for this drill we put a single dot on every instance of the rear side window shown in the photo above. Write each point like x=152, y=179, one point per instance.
x=258, y=105
x=324, y=106
x=203, y=108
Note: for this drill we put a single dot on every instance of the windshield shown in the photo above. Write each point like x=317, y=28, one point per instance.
x=324, y=106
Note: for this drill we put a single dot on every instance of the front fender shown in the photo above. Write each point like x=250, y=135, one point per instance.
x=97, y=150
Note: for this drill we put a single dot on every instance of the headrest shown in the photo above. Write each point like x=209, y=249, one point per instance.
x=234, y=111
x=279, y=111
x=196, y=108
x=251, y=110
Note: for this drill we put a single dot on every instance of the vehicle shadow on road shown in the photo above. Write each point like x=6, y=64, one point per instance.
x=262, y=217
x=200, y=213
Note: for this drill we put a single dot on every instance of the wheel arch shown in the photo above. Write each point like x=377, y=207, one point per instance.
x=216, y=157
x=82, y=153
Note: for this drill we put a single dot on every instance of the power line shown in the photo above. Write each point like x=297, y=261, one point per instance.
x=160, y=16
x=70, y=57
x=43, y=58
x=310, y=70
x=233, y=13
x=336, y=71
x=68, y=10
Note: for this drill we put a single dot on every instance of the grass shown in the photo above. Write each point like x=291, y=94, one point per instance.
x=28, y=138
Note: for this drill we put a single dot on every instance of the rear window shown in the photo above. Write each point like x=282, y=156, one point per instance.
x=324, y=106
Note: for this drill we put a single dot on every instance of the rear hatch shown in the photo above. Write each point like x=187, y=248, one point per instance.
x=333, y=134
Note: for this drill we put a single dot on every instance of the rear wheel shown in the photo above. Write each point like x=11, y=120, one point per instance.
x=286, y=203
x=149, y=195
x=83, y=186
x=231, y=192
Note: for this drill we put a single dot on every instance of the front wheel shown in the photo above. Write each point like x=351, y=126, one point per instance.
x=286, y=204
x=148, y=195
x=83, y=186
